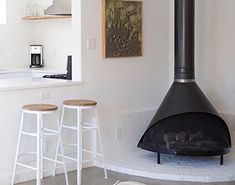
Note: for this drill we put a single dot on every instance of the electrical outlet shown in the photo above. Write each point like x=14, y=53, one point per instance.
x=118, y=134
x=45, y=95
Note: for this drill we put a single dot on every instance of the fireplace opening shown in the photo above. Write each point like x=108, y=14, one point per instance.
x=196, y=136
x=186, y=123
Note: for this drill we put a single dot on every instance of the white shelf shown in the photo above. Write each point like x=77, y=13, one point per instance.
x=47, y=17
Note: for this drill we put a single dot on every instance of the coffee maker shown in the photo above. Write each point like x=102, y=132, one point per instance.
x=36, y=57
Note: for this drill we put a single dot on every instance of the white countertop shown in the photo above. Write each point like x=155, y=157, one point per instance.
x=30, y=79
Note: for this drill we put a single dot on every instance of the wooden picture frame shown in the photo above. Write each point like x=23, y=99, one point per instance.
x=121, y=28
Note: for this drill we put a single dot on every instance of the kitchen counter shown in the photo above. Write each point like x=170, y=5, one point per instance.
x=30, y=79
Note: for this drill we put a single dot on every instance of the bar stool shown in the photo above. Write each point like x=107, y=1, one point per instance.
x=79, y=106
x=39, y=110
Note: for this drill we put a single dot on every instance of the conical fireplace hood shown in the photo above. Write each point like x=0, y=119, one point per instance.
x=184, y=98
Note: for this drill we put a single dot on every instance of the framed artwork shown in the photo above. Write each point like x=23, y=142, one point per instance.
x=122, y=28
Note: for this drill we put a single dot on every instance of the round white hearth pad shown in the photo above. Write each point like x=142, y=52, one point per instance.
x=175, y=168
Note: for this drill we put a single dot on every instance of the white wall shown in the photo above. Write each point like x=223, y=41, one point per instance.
x=110, y=78
x=215, y=51
x=15, y=37
x=56, y=38
x=128, y=90
x=215, y=54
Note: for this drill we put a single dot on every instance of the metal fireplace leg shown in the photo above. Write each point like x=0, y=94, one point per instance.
x=158, y=158
x=221, y=160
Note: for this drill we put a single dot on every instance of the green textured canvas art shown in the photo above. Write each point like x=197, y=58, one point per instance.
x=122, y=28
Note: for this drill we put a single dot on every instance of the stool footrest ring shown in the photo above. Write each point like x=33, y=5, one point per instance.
x=91, y=152
x=26, y=166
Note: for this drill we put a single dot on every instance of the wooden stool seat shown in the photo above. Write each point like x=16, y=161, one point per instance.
x=78, y=102
x=40, y=107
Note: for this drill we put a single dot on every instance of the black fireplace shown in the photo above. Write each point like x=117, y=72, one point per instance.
x=186, y=123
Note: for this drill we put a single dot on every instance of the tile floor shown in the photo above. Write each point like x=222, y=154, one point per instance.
x=94, y=176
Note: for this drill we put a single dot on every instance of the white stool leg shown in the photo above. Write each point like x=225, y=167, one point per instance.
x=39, y=130
x=58, y=144
x=79, y=145
x=100, y=145
x=62, y=153
x=17, y=148
x=41, y=145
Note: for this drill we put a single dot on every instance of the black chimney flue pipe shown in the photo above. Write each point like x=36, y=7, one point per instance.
x=184, y=40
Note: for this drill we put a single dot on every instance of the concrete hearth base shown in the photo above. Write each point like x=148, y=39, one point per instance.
x=175, y=168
